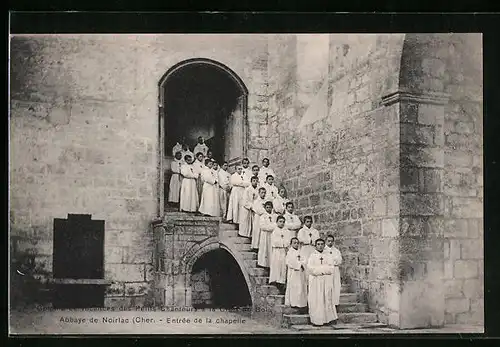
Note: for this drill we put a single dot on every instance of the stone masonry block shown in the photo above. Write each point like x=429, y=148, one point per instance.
x=457, y=305
x=113, y=254
x=431, y=180
x=409, y=179
x=472, y=249
x=417, y=156
x=465, y=269
x=421, y=204
x=430, y=114
x=124, y=272
x=455, y=228
x=390, y=227
x=473, y=288
x=453, y=289
x=417, y=134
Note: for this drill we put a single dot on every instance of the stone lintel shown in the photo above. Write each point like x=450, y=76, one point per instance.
x=432, y=98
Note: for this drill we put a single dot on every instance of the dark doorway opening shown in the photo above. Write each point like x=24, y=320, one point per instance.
x=217, y=282
x=78, y=262
x=201, y=97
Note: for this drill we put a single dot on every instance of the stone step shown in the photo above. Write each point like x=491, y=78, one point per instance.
x=350, y=307
x=303, y=319
x=348, y=298
x=364, y=317
x=275, y=299
x=249, y=255
x=261, y=280
x=251, y=263
x=339, y=326
x=268, y=289
x=240, y=240
x=228, y=226
x=292, y=310
x=258, y=271
x=342, y=308
x=229, y=234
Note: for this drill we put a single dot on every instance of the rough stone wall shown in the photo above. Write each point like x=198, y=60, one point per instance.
x=463, y=181
x=337, y=148
x=200, y=284
x=83, y=136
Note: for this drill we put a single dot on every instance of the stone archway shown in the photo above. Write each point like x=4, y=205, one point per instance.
x=201, y=97
x=206, y=286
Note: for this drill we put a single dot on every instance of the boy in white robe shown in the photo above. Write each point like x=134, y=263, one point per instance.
x=176, y=148
x=296, y=280
x=199, y=166
x=238, y=187
x=337, y=260
x=224, y=188
x=265, y=170
x=271, y=189
x=280, y=240
x=267, y=225
x=258, y=210
x=292, y=221
x=189, y=193
x=307, y=235
x=174, y=188
x=246, y=212
x=201, y=147
x=246, y=171
x=210, y=199
x=320, y=290
x=186, y=151
x=280, y=202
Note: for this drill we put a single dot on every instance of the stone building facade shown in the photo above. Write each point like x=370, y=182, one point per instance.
x=378, y=137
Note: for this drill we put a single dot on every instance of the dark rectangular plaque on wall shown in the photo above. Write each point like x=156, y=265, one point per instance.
x=78, y=262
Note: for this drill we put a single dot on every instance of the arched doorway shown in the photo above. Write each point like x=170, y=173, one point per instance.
x=217, y=282
x=201, y=97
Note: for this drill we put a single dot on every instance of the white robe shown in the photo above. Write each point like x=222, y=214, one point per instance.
x=174, y=188
x=238, y=187
x=246, y=212
x=337, y=260
x=189, y=193
x=296, y=282
x=247, y=175
x=279, y=204
x=176, y=148
x=187, y=152
x=271, y=192
x=320, y=291
x=307, y=237
x=280, y=241
x=292, y=223
x=264, y=172
x=199, y=167
x=267, y=225
x=210, y=197
x=203, y=148
x=258, y=210
x=224, y=188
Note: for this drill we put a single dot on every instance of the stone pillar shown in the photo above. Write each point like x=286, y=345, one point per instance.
x=421, y=301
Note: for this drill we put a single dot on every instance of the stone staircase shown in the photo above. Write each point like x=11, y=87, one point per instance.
x=269, y=304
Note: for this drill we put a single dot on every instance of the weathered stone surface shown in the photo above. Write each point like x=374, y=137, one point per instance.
x=91, y=147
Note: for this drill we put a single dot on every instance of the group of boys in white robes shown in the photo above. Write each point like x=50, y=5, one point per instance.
x=300, y=262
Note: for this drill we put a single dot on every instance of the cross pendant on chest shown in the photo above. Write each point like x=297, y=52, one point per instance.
x=321, y=260
x=310, y=235
x=298, y=257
